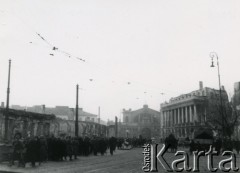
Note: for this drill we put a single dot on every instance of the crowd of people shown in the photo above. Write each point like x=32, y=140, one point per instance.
x=171, y=142
x=41, y=149
x=217, y=144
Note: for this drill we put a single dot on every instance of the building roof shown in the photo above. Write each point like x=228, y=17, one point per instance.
x=26, y=114
x=58, y=110
x=197, y=95
x=145, y=108
x=86, y=114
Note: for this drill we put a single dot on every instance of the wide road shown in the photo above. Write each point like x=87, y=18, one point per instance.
x=123, y=161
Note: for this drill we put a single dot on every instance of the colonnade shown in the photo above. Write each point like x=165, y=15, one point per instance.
x=180, y=115
x=182, y=120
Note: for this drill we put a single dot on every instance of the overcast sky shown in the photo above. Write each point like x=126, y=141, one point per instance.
x=134, y=51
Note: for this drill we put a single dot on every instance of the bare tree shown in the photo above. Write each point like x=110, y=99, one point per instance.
x=224, y=118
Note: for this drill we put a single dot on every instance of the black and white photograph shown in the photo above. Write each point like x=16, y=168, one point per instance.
x=119, y=86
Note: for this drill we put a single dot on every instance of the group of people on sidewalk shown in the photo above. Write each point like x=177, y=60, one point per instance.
x=42, y=149
x=39, y=149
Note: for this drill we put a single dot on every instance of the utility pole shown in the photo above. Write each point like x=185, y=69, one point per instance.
x=99, y=120
x=7, y=106
x=116, y=126
x=76, y=119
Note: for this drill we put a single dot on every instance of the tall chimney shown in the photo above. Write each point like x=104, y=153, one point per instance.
x=43, y=109
x=200, y=85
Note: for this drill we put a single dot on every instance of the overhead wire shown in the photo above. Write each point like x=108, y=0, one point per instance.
x=43, y=38
x=119, y=82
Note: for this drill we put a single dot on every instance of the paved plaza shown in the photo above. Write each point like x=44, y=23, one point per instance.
x=123, y=161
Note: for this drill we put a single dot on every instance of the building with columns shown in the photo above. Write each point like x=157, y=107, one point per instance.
x=186, y=114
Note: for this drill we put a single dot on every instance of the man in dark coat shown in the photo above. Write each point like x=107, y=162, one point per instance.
x=75, y=147
x=218, y=145
x=43, y=149
x=86, y=145
x=50, y=144
x=192, y=146
x=64, y=149
x=33, y=151
x=58, y=149
x=18, y=148
x=80, y=146
x=95, y=145
x=69, y=148
x=102, y=146
x=112, y=144
x=119, y=143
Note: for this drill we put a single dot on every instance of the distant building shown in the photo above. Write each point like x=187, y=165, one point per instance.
x=85, y=116
x=236, y=104
x=18, y=107
x=110, y=122
x=236, y=96
x=188, y=113
x=102, y=122
x=143, y=122
x=2, y=104
x=63, y=112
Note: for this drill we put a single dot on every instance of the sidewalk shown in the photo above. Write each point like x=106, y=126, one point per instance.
x=82, y=160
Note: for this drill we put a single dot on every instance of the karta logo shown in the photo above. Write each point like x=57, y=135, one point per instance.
x=152, y=158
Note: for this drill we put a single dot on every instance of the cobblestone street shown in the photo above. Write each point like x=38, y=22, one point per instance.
x=122, y=161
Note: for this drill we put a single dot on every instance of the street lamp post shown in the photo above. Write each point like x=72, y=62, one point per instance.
x=214, y=55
